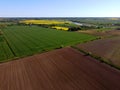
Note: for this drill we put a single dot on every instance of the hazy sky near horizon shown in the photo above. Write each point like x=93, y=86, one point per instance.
x=59, y=8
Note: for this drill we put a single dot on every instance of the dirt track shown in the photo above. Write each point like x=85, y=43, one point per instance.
x=63, y=69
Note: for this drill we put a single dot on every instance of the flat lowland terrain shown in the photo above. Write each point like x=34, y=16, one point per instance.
x=103, y=33
x=109, y=49
x=63, y=69
x=20, y=41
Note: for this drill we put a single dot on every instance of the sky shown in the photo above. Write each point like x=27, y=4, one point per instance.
x=59, y=8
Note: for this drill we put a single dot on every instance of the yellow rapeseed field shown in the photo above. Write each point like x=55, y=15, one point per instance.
x=114, y=18
x=61, y=28
x=44, y=22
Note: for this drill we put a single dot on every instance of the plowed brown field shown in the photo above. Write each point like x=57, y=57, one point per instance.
x=63, y=69
x=107, y=33
x=108, y=49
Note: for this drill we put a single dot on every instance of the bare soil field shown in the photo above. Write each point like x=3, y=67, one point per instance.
x=107, y=33
x=63, y=69
x=108, y=49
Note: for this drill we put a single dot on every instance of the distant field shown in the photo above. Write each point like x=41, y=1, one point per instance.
x=18, y=41
x=60, y=28
x=108, y=49
x=102, y=33
x=47, y=22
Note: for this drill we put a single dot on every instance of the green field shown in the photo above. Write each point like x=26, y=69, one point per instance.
x=20, y=41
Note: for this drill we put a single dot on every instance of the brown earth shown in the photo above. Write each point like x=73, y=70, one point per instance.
x=108, y=49
x=63, y=69
x=107, y=33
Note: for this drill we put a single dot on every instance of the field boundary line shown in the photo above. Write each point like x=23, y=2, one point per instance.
x=9, y=46
x=98, y=58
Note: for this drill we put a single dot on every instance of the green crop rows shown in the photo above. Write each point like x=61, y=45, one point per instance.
x=5, y=52
x=19, y=41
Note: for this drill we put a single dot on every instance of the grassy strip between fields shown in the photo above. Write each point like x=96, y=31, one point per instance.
x=102, y=60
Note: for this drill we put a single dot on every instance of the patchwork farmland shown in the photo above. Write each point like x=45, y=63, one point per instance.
x=63, y=69
x=58, y=55
x=108, y=49
x=20, y=41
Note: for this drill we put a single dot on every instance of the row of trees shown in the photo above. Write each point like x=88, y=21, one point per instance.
x=83, y=28
x=72, y=28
